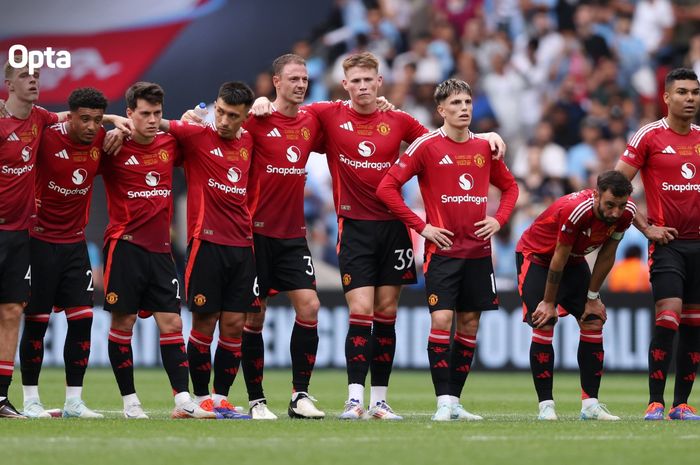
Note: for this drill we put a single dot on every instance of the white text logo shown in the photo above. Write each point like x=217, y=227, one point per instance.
x=466, y=182
x=79, y=176
x=293, y=154
x=234, y=175
x=366, y=149
x=26, y=153
x=20, y=57
x=688, y=170
x=152, y=178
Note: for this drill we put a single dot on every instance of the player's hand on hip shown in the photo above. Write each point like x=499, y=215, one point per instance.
x=261, y=107
x=487, y=227
x=439, y=236
x=384, y=105
x=594, y=308
x=113, y=141
x=543, y=314
x=660, y=234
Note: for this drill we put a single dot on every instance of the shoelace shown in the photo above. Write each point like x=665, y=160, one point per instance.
x=604, y=408
x=687, y=407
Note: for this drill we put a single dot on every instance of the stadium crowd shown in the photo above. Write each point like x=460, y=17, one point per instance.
x=565, y=83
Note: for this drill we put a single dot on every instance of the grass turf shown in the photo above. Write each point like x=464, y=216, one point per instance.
x=508, y=435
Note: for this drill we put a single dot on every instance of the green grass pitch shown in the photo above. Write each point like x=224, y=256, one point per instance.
x=508, y=435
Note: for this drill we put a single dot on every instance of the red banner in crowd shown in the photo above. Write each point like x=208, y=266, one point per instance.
x=111, y=59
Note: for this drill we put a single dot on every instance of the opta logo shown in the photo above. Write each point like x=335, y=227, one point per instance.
x=26, y=153
x=79, y=176
x=688, y=170
x=152, y=178
x=234, y=175
x=466, y=182
x=19, y=57
x=293, y=154
x=366, y=148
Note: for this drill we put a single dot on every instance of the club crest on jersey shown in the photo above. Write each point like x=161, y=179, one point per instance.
x=383, y=128
x=366, y=148
x=234, y=175
x=112, y=298
x=479, y=160
x=697, y=149
x=26, y=153
x=305, y=133
x=152, y=178
x=244, y=153
x=164, y=155
x=199, y=300
x=347, y=279
x=293, y=154
x=688, y=170
x=466, y=182
x=79, y=176
x=432, y=300
x=94, y=153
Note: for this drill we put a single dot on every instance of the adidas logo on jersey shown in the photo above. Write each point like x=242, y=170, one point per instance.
x=274, y=133
x=446, y=160
x=13, y=138
x=132, y=161
x=668, y=149
x=347, y=126
x=62, y=154
x=217, y=152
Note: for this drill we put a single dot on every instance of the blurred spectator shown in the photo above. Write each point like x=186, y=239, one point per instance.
x=630, y=274
x=652, y=23
x=562, y=81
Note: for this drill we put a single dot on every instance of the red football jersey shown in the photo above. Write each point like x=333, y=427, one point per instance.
x=217, y=171
x=138, y=182
x=669, y=164
x=454, y=180
x=278, y=175
x=19, y=140
x=65, y=171
x=360, y=150
x=571, y=221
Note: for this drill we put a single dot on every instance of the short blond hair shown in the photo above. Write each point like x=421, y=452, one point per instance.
x=9, y=70
x=361, y=60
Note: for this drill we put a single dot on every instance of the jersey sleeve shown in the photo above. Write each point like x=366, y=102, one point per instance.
x=47, y=117
x=568, y=224
x=389, y=189
x=413, y=129
x=182, y=130
x=637, y=150
x=502, y=178
x=318, y=109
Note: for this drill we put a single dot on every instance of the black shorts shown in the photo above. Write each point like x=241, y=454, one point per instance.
x=675, y=270
x=460, y=284
x=221, y=278
x=283, y=265
x=136, y=279
x=61, y=276
x=374, y=253
x=15, y=272
x=573, y=288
